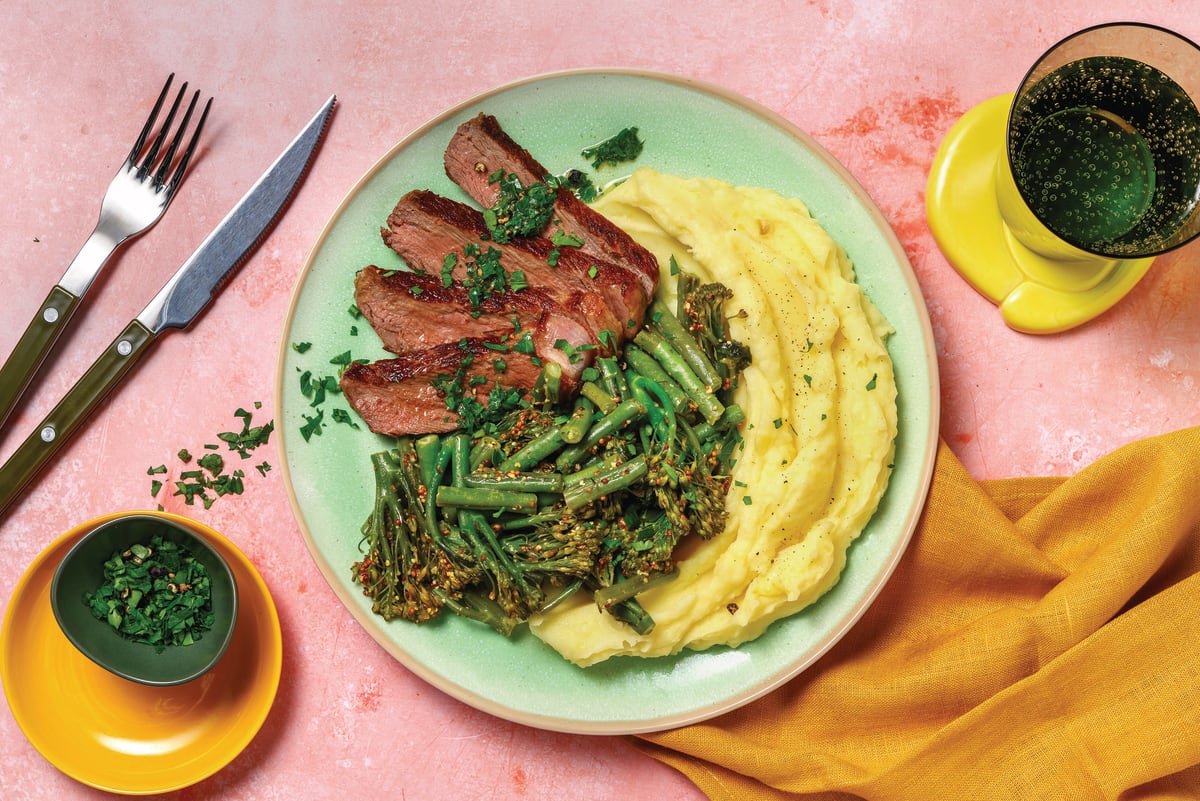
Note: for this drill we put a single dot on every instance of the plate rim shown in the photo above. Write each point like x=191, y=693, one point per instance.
x=908, y=524
x=45, y=562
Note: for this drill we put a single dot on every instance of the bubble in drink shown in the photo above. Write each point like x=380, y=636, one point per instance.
x=1106, y=152
x=1088, y=172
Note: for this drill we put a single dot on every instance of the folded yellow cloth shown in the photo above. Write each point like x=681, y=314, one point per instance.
x=1038, y=641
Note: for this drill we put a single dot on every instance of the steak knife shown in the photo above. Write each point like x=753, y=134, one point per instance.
x=177, y=304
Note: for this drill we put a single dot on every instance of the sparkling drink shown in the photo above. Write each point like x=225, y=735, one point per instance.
x=1105, y=150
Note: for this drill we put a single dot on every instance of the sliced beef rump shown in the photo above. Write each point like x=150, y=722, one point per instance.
x=448, y=342
x=480, y=147
x=408, y=394
x=413, y=311
x=424, y=227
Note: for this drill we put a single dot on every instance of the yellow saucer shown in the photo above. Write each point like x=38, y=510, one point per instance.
x=130, y=738
x=1035, y=294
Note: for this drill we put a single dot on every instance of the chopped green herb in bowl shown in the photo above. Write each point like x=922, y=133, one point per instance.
x=146, y=598
x=155, y=593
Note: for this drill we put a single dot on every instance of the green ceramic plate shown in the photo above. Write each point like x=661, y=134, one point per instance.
x=689, y=129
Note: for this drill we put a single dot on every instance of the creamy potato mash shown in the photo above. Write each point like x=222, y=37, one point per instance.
x=820, y=402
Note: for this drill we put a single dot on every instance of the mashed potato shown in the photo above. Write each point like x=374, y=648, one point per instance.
x=820, y=402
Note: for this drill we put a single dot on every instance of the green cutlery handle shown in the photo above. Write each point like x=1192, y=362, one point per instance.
x=58, y=426
x=32, y=347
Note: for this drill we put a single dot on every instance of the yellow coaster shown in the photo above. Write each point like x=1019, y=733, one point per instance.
x=1035, y=294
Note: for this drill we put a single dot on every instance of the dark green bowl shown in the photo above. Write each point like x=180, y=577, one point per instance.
x=82, y=571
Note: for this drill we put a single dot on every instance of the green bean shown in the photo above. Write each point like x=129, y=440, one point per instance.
x=595, y=393
x=665, y=321
x=428, y=450
x=516, y=482
x=658, y=405
x=580, y=420
x=625, y=413
x=627, y=588
x=732, y=416
x=609, y=462
x=484, y=451
x=706, y=402
x=486, y=499
x=644, y=364
x=459, y=447
x=611, y=378
x=582, y=492
x=536, y=450
x=455, y=454
x=548, y=383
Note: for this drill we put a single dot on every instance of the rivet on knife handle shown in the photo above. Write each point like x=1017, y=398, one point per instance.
x=32, y=347
x=53, y=432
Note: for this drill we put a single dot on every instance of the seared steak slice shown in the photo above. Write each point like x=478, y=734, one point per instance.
x=480, y=147
x=424, y=227
x=406, y=395
x=411, y=311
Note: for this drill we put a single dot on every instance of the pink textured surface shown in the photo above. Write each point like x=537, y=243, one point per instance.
x=877, y=83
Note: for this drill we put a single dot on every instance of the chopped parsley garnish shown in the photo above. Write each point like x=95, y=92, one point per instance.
x=459, y=391
x=318, y=390
x=483, y=274
x=524, y=344
x=208, y=480
x=623, y=146
x=564, y=240
x=580, y=183
x=519, y=210
x=342, y=416
x=249, y=437
x=312, y=425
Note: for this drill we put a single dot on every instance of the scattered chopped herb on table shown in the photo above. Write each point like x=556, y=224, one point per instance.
x=156, y=593
x=209, y=475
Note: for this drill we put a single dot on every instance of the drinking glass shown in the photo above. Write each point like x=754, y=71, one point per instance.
x=1053, y=201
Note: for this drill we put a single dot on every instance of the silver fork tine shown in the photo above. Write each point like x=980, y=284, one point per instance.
x=149, y=126
x=152, y=153
x=135, y=200
x=186, y=158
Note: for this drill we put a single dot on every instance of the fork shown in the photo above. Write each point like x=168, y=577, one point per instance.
x=135, y=200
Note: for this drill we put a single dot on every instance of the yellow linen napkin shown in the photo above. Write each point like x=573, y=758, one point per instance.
x=1038, y=641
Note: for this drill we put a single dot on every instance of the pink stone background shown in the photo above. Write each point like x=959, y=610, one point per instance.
x=877, y=82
